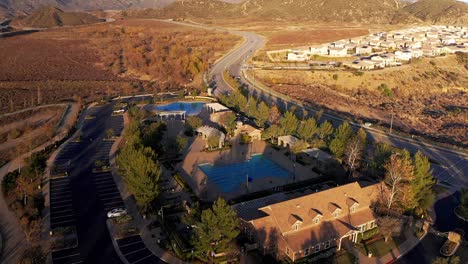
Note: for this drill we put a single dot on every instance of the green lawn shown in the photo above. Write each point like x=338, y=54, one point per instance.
x=379, y=248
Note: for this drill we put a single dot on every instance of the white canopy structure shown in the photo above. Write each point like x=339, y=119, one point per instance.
x=317, y=154
x=216, y=107
x=208, y=132
x=287, y=141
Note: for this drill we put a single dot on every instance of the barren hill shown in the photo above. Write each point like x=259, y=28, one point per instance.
x=359, y=11
x=440, y=11
x=47, y=17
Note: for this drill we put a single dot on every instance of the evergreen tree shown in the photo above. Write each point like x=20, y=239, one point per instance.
x=325, y=130
x=423, y=181
x=229, y=121
x=216, y=230
x=289, y=123
x=140, y=172
x=263, y=114
x=307, y=129
x=342, y=137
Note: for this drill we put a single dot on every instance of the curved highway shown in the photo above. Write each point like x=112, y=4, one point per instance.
x=452, y=167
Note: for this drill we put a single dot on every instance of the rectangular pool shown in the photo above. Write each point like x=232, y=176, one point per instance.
x=230, y=177
x=191, y=108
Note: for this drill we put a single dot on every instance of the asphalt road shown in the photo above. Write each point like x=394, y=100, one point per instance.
x=452, y=165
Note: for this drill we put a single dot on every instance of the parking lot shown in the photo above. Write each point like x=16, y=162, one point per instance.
x=63, y=161
x=68, y=256
x=61, y=209
x=102, y=152
x=117, y=124
x=107, y=191
x=135, y=251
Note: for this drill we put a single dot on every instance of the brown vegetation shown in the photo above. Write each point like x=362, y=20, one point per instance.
x=426, y=96
x=24, y=131
x=96, y=61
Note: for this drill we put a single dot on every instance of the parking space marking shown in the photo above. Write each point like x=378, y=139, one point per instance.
x=106, y=188
x=143, y=258
x=109, y=193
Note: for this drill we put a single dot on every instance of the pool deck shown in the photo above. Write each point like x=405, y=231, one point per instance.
x=207, y=190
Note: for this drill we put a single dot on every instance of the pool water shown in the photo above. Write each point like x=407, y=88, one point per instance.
x=230, y=177
x=190, y=108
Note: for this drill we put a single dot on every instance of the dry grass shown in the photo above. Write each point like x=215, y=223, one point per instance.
x=429, y=96
x=25, y=131
x=91, y=62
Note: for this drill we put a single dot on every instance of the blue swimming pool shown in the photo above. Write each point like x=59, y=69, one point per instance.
x=191, y=108
x=229, y=177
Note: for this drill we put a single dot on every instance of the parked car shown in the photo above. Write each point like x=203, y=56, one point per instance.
x=116, y=212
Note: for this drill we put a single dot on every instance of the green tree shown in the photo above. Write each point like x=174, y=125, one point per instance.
x=299, y=146
x=289, y=123
x=152, y=135
x=141, y=173
x=229, y=121
x=110, y=133
x=272, y=132
x=443, y=260
x=192, y=123
x=252, y=106
x=307, y=129
x=216, y=230
x=342, y=137
x=213, y=141
x=182, y=143
x=263, y=114
x=423, y=181
x=325, y=130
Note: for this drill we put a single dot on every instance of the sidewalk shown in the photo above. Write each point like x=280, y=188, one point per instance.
x=405, y=247
x=148, y=237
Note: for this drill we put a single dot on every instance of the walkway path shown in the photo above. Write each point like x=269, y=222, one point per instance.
x=410, y=242
x=15, y=239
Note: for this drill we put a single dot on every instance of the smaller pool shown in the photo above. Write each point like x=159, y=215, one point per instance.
x=230, y=177
x=190, y=108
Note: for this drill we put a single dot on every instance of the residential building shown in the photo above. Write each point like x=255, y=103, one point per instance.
x=297, y=56
x=298, y=226
x=338, y=52
x=318, y=50
x=363, y=50
x=253, y=132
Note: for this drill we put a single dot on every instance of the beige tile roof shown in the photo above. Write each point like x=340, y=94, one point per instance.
x=282, y=216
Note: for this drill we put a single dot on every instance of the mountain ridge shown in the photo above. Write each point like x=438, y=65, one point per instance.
x=356, y=11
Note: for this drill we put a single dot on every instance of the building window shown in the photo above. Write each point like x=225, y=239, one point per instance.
x=296, y=227
x=316, y=220
x=327, y=244
x=371, y=225
x=317, y=248
x=306, y=251
x=335, y=214
x=287, y=251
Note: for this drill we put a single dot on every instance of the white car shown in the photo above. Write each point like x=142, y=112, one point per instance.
x=116, y=212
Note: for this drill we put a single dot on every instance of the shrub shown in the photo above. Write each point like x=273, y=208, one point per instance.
x=9, y=182
x=359, y=73
x=385, y=90
x=335, y=77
